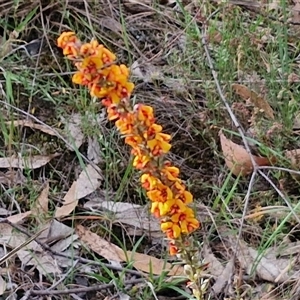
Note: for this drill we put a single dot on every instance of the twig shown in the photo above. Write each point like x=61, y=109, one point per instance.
x=15, y=250
x=279, y=169
x=93, y=288
x=27, y=295
x=63, y=277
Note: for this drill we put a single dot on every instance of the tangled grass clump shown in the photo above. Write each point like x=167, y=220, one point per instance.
x=170, y=200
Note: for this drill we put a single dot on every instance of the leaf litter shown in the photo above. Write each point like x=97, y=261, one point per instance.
x=111, y=252
x=73, y=131
x=27, y=123
x=30, y=162
x=88, y=181
x=137, y=217
x=249, y=95
x=267, y=266
x=237, y=159
x=58, y=235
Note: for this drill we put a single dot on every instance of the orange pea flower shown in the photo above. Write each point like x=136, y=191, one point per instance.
x=161, y=193
x=149, y=182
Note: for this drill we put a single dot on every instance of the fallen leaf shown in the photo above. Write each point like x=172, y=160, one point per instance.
x=259, y=102
x=237, y=158
x=111, y=24
x=215, y=268
x=93, y=150
x=73, y=131
x=140, y=261
x=32, y=254
x=61, y=237
x=123, y=296
x=30, y=124
x=273, y=5
x=137, y=6
x=56, y=231
x=296, y=125
x=269, y=268
x=32, y=162
x=19, y=218
x=293, y=78
x=88, y=181
x=70, y=201
x=41, y=206
x=134, y=215
x=284, y=249
x=225, y=277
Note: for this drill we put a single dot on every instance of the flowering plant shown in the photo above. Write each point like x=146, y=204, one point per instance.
x=170, y=200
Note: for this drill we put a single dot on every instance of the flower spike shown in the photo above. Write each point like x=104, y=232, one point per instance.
x=97, y=70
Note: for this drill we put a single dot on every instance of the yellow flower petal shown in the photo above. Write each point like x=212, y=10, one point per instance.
x=78, y=78
x=187, y=197
x=184, y=226
x=170, y=172
x=176, y=231
x=166, y=225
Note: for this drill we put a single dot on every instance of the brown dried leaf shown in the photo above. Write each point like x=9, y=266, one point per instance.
x=56, y=231
x=259, y=102
x=19, y=218
x=215, y=268
x=137, y=6
x=88, y=181
x=30, y=124
x=43, y=199
x=70, y=201
x=146, y=71
x=111, y=24
x=32, y=162
x=110, y=251
x=237, y=158
x=296, y=125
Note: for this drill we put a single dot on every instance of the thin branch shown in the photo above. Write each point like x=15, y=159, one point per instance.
x=279, y=169
x=94, y=288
